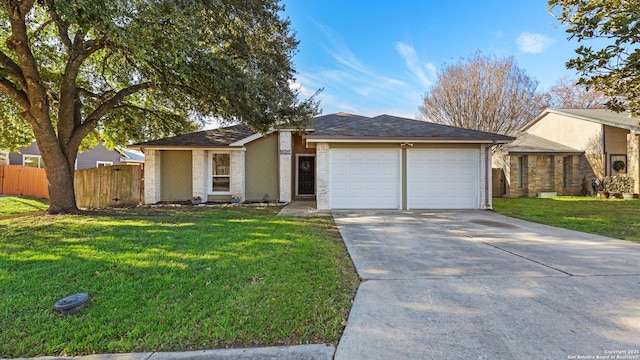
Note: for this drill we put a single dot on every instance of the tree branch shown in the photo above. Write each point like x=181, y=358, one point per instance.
x=63, y=26
x=14, y=70
x=40, y=28
x=8, y=88
x=92, y=119
x=26, y=6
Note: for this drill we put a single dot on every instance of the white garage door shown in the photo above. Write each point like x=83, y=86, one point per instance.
x=365, y=179
x=442, y=178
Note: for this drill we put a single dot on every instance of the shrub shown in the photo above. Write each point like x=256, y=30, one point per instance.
x=617, y=184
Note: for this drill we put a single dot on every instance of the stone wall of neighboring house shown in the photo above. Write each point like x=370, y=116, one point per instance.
x=563, y=174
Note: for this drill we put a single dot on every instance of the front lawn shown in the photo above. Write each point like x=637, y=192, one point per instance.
x=614, y=218
x=171, y=280
x=10, y=205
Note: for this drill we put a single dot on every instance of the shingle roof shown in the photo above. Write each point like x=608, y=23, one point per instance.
x=532, y=144
x=349, y=126
x=207, y=138
x=337, y=126
x=600, y=116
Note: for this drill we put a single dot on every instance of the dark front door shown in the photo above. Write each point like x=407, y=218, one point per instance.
x=306, y=175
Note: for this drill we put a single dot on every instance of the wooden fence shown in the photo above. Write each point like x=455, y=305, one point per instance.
x=499, y=183
x=109, y=186
x=23, y=180
x=119, y=185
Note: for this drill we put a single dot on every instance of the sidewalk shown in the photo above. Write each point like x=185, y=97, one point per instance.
x=298, y=352
x=302, y=208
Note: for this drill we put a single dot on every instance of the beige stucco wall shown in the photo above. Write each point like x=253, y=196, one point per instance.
x=261, y=169
x=175, y=175
x=576, y=133
x=615, y=140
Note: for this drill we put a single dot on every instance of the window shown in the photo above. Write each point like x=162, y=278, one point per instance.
x=103, y=163
x=220, y=172
x=32, y=160
x=519, y=172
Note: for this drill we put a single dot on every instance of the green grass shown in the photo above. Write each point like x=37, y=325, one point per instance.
x=10, y=205
x=171, y=280
x=614, y=218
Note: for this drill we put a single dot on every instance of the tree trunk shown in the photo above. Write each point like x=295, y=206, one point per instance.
x=62, y=198
x=60, y=168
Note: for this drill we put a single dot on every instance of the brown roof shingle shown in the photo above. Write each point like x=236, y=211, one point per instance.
x=343, y=125
x=207, y=138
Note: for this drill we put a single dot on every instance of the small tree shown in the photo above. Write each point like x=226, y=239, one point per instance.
x=482, y=93
x=569, y=94
x=614, y=67
x=133, y=70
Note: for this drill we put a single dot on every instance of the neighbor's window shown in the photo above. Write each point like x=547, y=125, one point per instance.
x=519, y=172
x=220, y=172
x=32, y=160
x=103, y=163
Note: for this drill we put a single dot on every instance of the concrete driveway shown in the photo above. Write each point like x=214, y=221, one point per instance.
x=478, y=285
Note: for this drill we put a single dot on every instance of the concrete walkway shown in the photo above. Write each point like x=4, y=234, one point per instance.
x=302, y=208
x=299, y=352
x=478, y=285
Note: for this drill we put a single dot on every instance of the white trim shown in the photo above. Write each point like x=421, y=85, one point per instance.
x=209, y=148
x=24, y=156
x=210, y=173
x=315, y=173
x=103, y=163
x=386, y=141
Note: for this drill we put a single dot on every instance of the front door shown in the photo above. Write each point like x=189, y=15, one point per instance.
x=306, y=175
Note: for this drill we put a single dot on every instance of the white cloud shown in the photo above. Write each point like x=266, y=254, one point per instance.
x=423, y=71
x=533, y=43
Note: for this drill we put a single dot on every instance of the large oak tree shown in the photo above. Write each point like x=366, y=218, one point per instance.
x=612, y=64
x=130, y=70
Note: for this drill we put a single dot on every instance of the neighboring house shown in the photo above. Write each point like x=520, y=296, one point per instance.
x=343, y=161
x=96, y=157
x=563, y=150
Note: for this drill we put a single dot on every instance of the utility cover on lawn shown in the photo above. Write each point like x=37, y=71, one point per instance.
x=71, y=304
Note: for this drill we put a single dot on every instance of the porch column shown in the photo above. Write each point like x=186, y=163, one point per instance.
x=200, y=180
x=633, y=159
x=322, y=177
x=285, y=165
x=152, y=176
x=237, y=174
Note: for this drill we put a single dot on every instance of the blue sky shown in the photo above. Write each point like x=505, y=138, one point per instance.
x=379, y=57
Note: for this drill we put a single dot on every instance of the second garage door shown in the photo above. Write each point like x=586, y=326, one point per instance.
x=365, y=179
x=442, y=178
